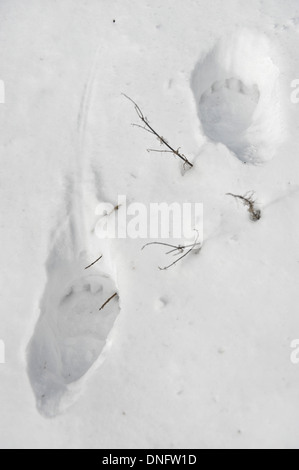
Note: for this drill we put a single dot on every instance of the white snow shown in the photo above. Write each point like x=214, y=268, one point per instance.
x=194, y=357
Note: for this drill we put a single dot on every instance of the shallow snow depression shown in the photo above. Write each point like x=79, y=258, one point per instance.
x=236, y=88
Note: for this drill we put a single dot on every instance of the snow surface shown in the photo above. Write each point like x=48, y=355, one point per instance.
x=194, y=357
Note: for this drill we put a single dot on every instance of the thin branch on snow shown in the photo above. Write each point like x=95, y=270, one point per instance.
x=177, y=250
x=159, y=151
x=249, y=202
x=148, y=128
x=109, y=300
x=108, y=214
x=96, y=261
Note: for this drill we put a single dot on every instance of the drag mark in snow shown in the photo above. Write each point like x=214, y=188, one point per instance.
x=71, y=336
x=86, y=100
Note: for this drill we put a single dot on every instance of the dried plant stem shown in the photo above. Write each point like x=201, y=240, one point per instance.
x=177, y=250
x=96, y=261
x=147, y=127
x=249, y=202
x=109, y=300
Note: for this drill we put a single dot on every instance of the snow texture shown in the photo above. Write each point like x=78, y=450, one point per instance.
x=194, y=357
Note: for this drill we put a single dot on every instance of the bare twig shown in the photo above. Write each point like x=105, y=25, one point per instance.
x=92, y=264
x=108, y=214
x=115, y=209
x=180, y=249
x=177, y=250
x=109, y=300
x=249, y=202
x=159, y=151
x=142, y=127
x=161, y=244
x=182, y=257
x=147, y=127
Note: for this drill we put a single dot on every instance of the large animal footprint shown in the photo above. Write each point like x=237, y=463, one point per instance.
x=72, y=331
x=237, y=94
x=83, y=329
x=226, y=112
